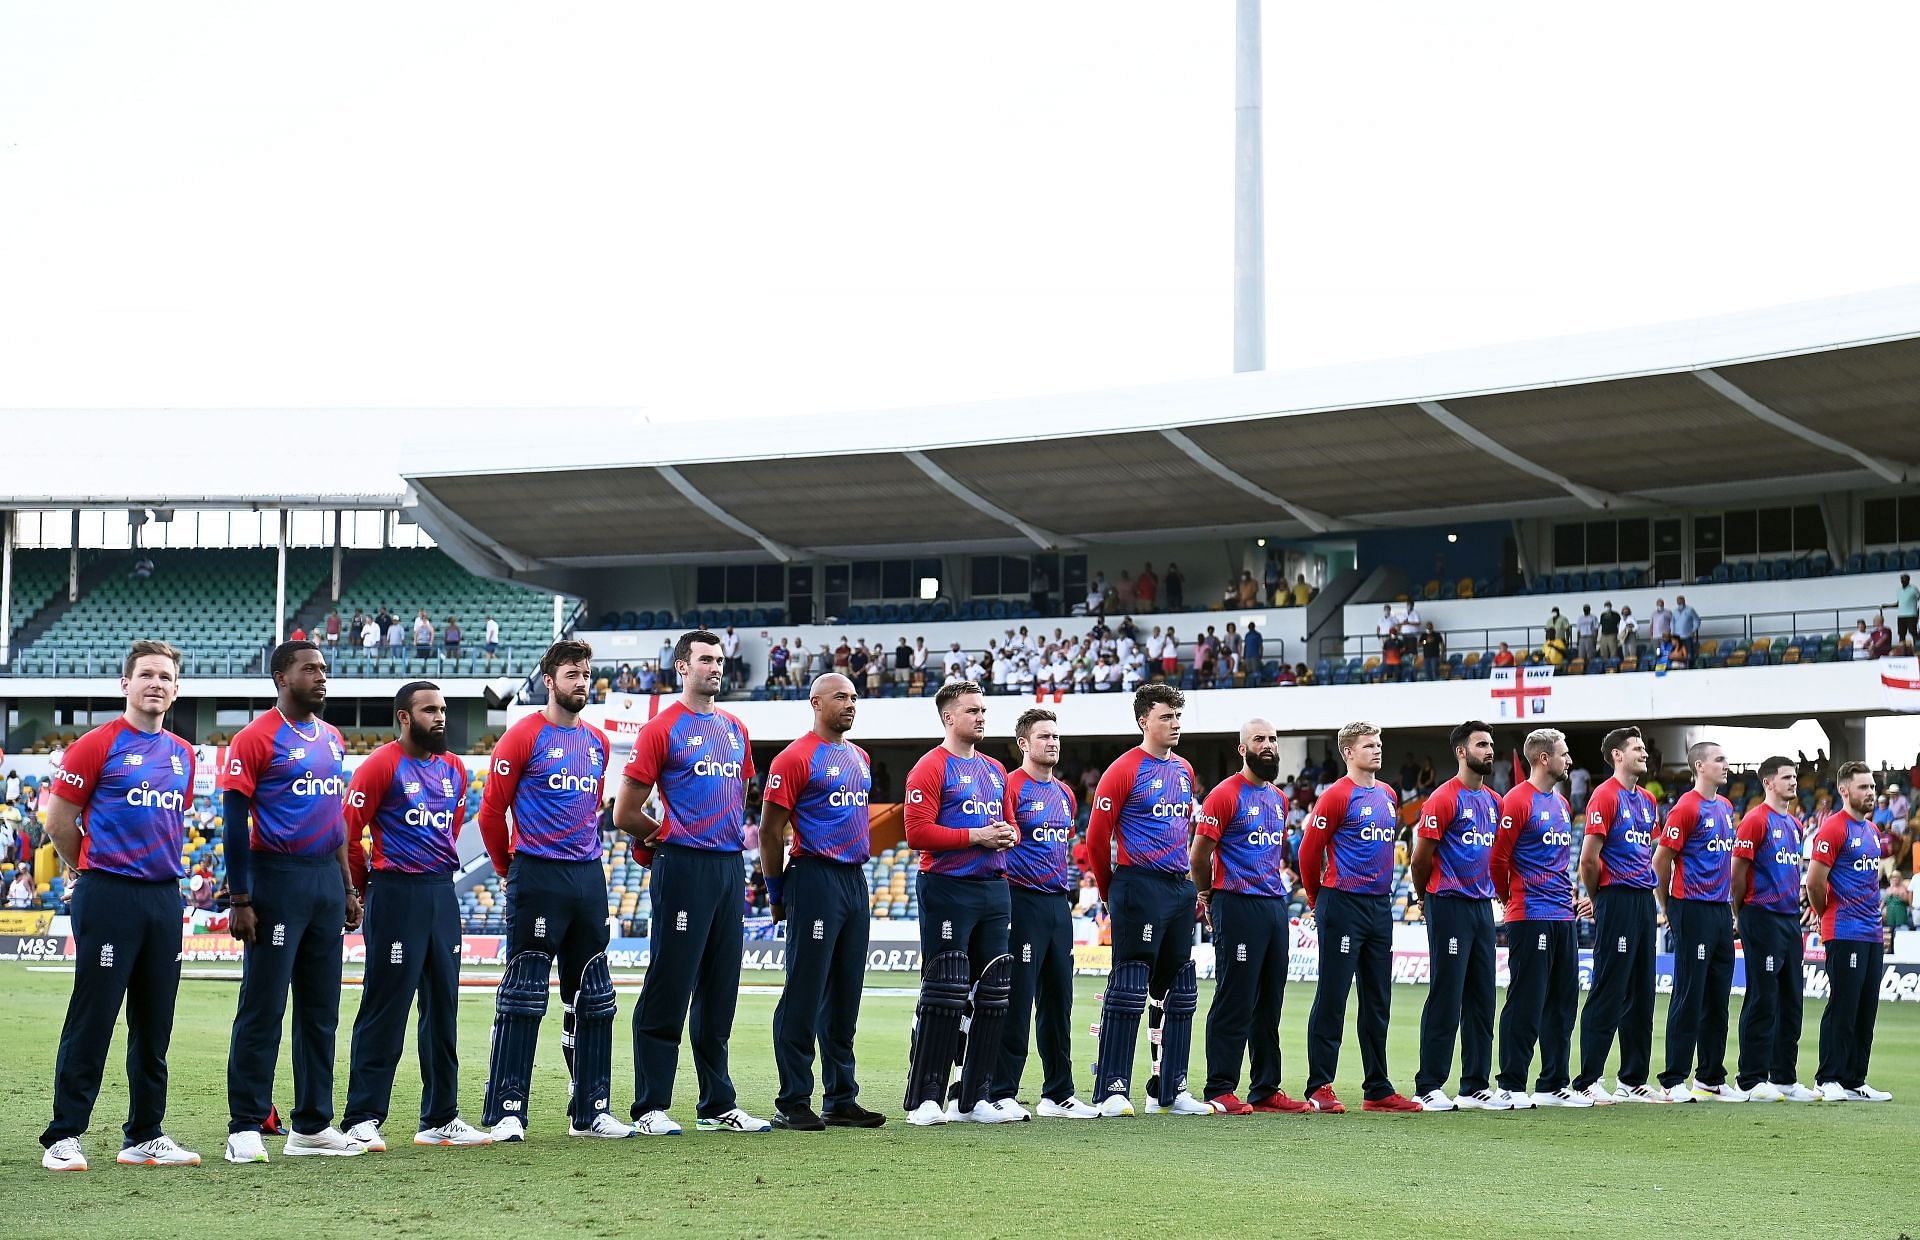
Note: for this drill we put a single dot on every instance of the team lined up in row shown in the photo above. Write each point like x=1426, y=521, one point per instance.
x=994, y=869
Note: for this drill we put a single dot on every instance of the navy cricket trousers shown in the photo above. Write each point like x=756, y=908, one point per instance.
x=1042, y=944
x=1356, y=943
x=1459, y=994
x=1702, y=985
x=1620, y=996
x=301, y=903
x=126, y=935
x=1252, y=945
x=1770, y=1015
x=412, y=933
x=693, y=977
x=1543, y=994
x=826, y=961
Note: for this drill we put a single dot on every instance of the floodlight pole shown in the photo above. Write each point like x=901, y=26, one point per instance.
x=1249, y=226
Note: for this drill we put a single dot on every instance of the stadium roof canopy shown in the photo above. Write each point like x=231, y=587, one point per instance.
x=1798, y=400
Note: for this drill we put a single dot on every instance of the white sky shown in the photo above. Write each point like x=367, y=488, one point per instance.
x=699, y=210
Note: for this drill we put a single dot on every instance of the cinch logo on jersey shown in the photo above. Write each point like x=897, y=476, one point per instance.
x=417, y=813
x=1248, y=821
x=1358, y=823
x=1623, y=817
x=703, y=791
x=1043, y=810
x=963, y=804
x=1152, y=799
x=555, y=810
x=1700, y=832
x=827, y=787
x=132, y=790
x=1536, y=841
x=1462, y=821
x=294, y=776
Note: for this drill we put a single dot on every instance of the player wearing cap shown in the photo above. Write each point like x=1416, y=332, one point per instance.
x=1452, y=853
x=1238, y=864
x=1693, y=863
x=118, y=817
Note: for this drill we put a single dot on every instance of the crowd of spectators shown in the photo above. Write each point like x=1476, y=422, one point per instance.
x=386, y=632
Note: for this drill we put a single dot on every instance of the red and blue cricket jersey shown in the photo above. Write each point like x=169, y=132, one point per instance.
x=827, y=788
x=1770, y=841
x=1699, y=832
x=295, y=776
x=552, y=779
x=133, y=789
x=1625, y=818
x=1043, y=809
x=700, y=764
x=414, y=808
x=1851, y=848
x=1464, y=820
x=1532, y=853
x=1144, y=803
x=948, y=796
x=1351, y=830
x=1248, y=820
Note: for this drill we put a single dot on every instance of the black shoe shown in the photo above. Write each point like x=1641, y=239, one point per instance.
x=801, y=1119
x=853, y=1115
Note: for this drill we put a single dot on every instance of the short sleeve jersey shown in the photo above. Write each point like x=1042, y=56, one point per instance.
x=133, y=789
x=1248, y=821
x=414, y=808
x=1358, y=824
x=552, y=778
x=1770, y=842
x=1044, y=810
x=1536, y=841
x=1699, y=832
x=1463, y=821
x=1625, y=820
x=700, y=764
x=295, y=777
x=827, y=788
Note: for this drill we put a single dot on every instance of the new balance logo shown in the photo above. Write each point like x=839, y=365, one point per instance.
x=280, y=934
x=396, y=954
x=680, y=920
x=106, y=955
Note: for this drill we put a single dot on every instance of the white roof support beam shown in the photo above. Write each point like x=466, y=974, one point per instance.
x=675, y=479
x=1592, y=497
x=460, y=539
x=1318, y=522
x=1045, y=539
x=1892, y=471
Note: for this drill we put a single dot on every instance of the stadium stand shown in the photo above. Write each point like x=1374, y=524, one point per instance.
x=408, y=580
x=38, y=577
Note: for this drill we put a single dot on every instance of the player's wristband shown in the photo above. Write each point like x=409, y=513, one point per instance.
x=774, y=885
x=241, y=901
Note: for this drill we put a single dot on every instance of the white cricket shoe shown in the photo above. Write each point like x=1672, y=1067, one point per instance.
x=1482, y=1100
x=927, y=1114
x=1183, y=1103
x=246, y=1147
x=603, y=1125
x=159, y=1152
x=455, y=1131
x=1597, y=1094
x=656, y=1124
x=1642, y=1093
x=1679, y=1093
x=1013, y=1112
x=1830, y=1091
x=1115, y=1106
x=1797, y=1092
x=1072, y=1108
x=64, y=1155
x=1867, y=1093
x=512, y=1128
x=327, y=1143
x=735, y=1120
x=1434, y=1100
x=1518, y=1101
x=367, y=1133
x=983, y=1112
x=1725, y=1092
x=1765, y=1091
x=1566, y=1097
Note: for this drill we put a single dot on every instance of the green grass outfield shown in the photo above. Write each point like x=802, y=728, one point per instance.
x=1703, y=1170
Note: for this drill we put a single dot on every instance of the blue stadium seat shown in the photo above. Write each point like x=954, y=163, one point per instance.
x=1856, y=563
x=1613, y=580
x=1876, y=562
x=1742, y=572
x=1912, y=560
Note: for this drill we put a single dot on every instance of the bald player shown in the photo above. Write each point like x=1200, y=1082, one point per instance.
x=1238, y=866
x=819, y=786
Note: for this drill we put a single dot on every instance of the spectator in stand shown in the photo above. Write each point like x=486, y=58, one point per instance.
x=1410, y=622
x=1253, y=649
x=1040, y=590
x=1859, y=640
x=13, y=786
x=1170, y=652
x=333, y=632
x=920, y=655
x=1659, y=622
x=953, y=662
x=1897, y=802
x=1303, y=675
x=822, y=662
x=1503, y=657
x=624, y=681
x=902, y=662
x=777, y=676
x=876, y=672
x=451, y=638
x=646, y=680
x=491, y=636
x=1391, y=657
x=1302, y=592
x=422, y=635
x=1897, y=903
x=1609, y=645
x=1433, y=649
x=1880, y=640
x=1270, y=578
x=857, y=660
x=1146, y=588
x=1176, y=587
x=1123, y=593
x=1906, y=609
x=1578, y=782
x=356, y=626
x=1096, y=600
x=396, y=639
x=1686, y=625
x=370, y=640
x=1588, y=627
x=665, y=665
x=142, y=568
x=384, y=618
x=843, y=656
x=1629, y=630
x=1386, y=625
x=1249, y=589
x=1286, y=677
x=1554, y=649
x=298, y=635
x=736, y=672
x=21, y=893
x=1204, y=662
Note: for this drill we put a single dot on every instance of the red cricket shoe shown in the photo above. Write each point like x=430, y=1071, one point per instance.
x=1277, y=1103
x=1392, y=1102
x=1322, y=1100
x=1228, y=1104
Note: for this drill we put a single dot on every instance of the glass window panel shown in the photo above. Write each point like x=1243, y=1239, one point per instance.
x=1742, y=532
x=1776, y=531
x=1879, y=522
x=1603, y=542
x=1634, y=545
x=1570, y=545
